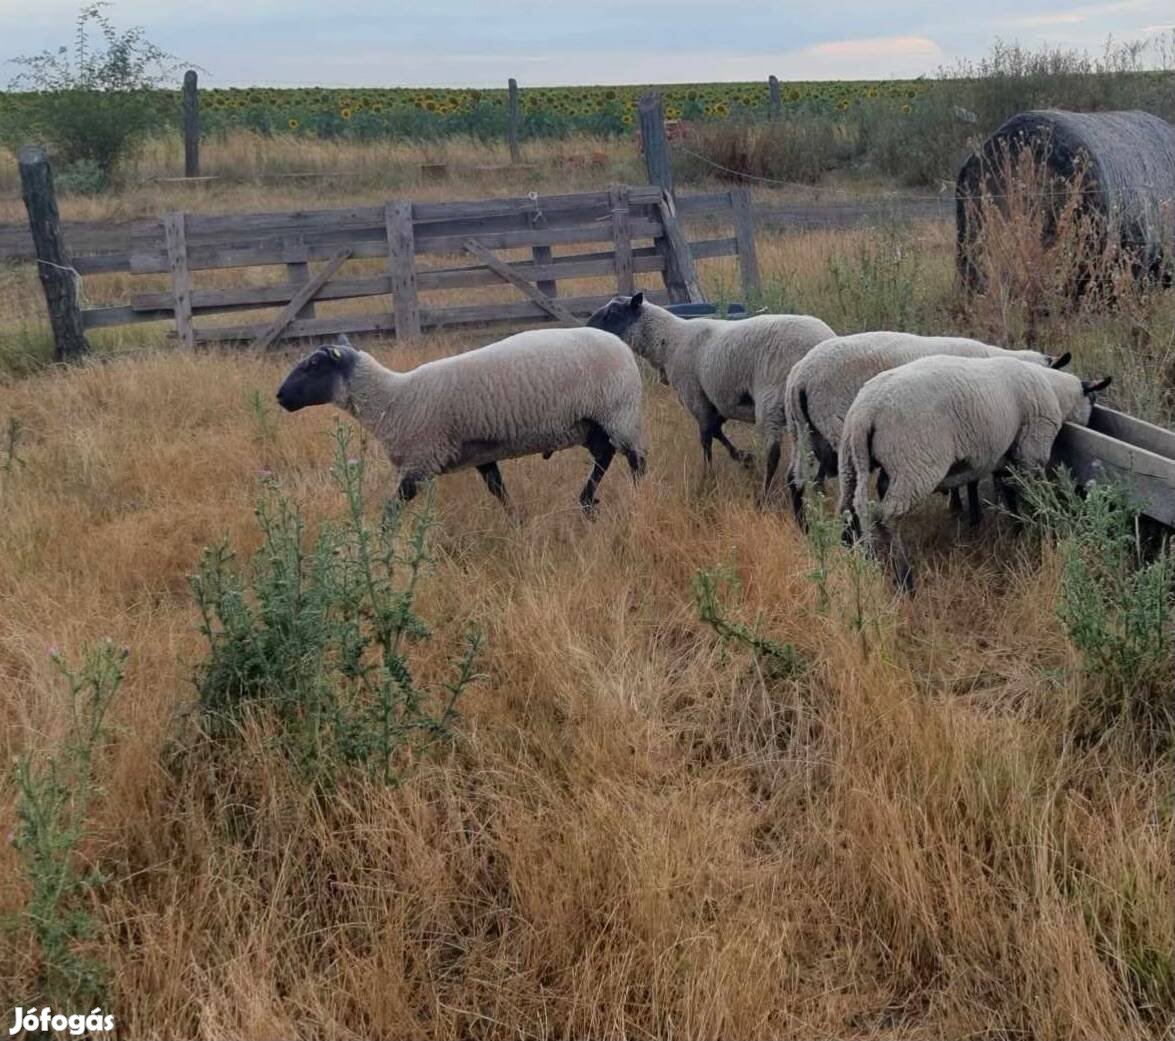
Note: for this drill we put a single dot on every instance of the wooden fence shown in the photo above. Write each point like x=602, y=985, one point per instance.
x=641, y=225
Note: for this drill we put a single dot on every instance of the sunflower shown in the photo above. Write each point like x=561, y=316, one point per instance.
x=907, y=109
x=293, y=124
x=843, y=104
x=345, y=113
x=626, y=119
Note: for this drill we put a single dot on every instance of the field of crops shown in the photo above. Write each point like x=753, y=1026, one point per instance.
x=546, y=111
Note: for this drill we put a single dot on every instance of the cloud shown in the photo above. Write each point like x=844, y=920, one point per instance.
x=883, y=46
x=1078, y=15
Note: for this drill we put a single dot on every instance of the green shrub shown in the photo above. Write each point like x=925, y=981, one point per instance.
x=778, y=659
x=876, y=287
x=799, y=148
x=1115, y=603
x=82, y=177
x=54, y=791
x=93, y=104
x=321, y=634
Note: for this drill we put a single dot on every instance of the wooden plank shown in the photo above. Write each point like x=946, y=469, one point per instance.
x=102, y=263
x=1148, y=477
x=512, y=120
x=707, y=248
x=103, y=317
x=402, y=268
x=292, y=221
x=703, y=204
x=622, y=240
x=681, y=277
x=290, y=312
x=744, y=233
x=658, y=161
x=507, y=273
x=513, y=311
x=297, y=271
x=235, y=298
x=191, y=108
x=1133, y=431
x=58, y=278
x=181, y=282
x=271, y=252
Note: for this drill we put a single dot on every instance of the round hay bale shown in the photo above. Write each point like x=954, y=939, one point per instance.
x=1122, y=163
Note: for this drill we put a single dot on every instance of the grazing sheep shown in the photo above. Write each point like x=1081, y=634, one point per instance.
x=940, y=422
x=720, y=370
x=823, y=384
x=535, y=392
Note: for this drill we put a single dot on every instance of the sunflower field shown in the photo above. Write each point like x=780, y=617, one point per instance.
x=546, y=111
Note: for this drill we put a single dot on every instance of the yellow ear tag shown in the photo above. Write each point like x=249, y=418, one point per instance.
x=336, y=353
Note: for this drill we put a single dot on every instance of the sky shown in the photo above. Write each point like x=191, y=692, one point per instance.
x=555, y=42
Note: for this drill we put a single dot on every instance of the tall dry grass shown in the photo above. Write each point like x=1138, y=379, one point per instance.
x=640, y=830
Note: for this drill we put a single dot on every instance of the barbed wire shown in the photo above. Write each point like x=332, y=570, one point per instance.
x=941, y=197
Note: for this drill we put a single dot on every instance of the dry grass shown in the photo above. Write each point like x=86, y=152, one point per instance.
x=637, y=832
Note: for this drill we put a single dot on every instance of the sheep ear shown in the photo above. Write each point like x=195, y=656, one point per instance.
x=636, y=301
x=1089, y=387
x=1060, y=361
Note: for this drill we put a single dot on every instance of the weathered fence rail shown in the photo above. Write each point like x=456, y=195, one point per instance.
x=640, y=228
x=91, y=239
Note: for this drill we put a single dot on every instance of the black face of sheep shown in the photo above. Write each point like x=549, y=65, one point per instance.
x=618, y=315
x=315, y=380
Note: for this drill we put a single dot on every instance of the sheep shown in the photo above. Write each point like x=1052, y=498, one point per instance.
x=823, y=384
x=940, y=422
x=720, y=370
x=534, y=392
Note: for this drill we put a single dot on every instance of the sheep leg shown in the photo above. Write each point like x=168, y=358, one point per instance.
x=736, y=453
x=602, y=452
x=771, y=465
x=888, y=546
x=956, y=501
x=636, y=463
x=974, y=514
x=407, y=488
x=493, y=479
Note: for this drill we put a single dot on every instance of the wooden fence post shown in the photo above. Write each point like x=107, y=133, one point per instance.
x=512, y=126
x=402, y=268
x=681, y=275
x=542, y=255
x=176, y=233
x=58, y=278
x=297, y=269
x=621, y=238
x=658, y=162
x=776, y=104
x=191, y=125
x=744, y=235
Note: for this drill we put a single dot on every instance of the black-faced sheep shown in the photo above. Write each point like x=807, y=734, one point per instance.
x=535, y=392
x=823, y=384
x=720, y=370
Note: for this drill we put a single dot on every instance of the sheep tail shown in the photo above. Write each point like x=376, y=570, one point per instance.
x=856, y=452
x=798, y=425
